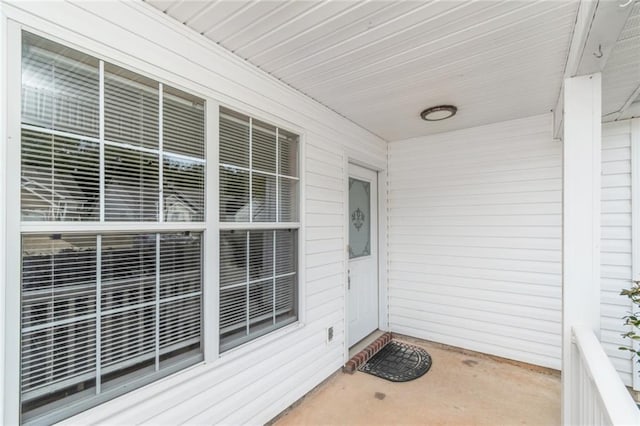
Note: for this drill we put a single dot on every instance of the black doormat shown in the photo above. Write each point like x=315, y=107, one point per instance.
x=398, y=362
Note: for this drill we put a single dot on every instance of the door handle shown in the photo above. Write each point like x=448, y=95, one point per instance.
x=349, y=279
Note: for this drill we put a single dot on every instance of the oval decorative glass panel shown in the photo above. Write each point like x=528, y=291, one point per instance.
x=359, y=218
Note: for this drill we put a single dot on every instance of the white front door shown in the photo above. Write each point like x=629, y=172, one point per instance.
x=363, y=253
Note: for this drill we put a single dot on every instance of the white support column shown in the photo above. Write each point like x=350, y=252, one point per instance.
x=3, y=205
x=581, y=219
x=635, y=231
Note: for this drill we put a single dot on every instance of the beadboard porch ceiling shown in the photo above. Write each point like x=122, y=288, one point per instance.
x=379, y=63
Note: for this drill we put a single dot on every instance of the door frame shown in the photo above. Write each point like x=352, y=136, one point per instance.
x=367, y=161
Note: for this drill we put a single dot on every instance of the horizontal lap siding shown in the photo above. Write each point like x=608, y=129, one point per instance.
x=259, y=384
x=616, y=272
x=475, y=226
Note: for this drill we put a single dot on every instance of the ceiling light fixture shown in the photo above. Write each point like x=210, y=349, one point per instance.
x=437, y=113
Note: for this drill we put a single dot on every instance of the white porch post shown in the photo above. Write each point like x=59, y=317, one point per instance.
x=581, y=219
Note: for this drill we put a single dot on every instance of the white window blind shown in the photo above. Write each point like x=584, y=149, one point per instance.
x=104, y=312
x=60, y=177
x=258, y=267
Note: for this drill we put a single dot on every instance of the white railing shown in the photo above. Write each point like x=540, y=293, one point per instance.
x=598, y=396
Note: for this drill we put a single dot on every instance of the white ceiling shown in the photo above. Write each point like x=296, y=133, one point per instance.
x=379, y=63
x=621, y=74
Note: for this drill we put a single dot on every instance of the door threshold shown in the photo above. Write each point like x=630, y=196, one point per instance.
x=364, y=342
x=361, y=352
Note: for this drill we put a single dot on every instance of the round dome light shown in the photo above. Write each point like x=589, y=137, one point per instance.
x=437, y=113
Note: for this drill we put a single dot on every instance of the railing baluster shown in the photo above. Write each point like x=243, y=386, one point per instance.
x=601, y=397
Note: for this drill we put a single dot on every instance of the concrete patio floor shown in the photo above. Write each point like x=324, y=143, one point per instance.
x=461, y=388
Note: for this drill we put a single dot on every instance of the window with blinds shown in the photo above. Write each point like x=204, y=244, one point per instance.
x=259, y=199
x=103, y=312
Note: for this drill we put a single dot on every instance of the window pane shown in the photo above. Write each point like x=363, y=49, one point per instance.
x=60, y=178
x=180, y=329
x=263, y=197
x=183, y=123
x=58, y=320
x=60, y=87
x=260, y=255
x=261, y=306
x=233, y=316
x=128, y=329
x=263, y=147
x=360, y=218
x=183, y=190
x=130, y=108
x=128, y=270
x=233, y=257
x=131, y=185
x=286, y=251
x=288, y=200
x=181, y=279
x=234, y=138
x=234, y=195
x=180, y=264
x=128, y=345
x=286, y=299
x=288, y=153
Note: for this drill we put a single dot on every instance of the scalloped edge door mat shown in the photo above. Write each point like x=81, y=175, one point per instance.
x=398, y=362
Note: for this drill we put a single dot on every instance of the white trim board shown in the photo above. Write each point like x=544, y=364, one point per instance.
x=635, y=226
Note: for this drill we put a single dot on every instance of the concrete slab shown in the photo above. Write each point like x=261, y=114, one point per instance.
x=460, y=389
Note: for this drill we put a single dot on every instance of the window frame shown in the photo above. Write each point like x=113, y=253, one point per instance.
x=16, y=227
x=264, y=339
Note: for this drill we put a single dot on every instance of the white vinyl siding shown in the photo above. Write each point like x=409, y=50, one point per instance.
x=474, y=239
x=288, y=362
x=616, y=257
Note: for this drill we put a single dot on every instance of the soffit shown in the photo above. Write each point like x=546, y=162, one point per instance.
x=379, y=63
x=621, y=74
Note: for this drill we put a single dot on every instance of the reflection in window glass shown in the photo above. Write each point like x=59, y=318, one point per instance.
x=258, y=267
x=60, y=178
x=183, y=189
x=60, y=87
x=131, y=185
x=251, y=156
x=60, y=334
x=104, y=312
x=262, y=296
x=131, y=107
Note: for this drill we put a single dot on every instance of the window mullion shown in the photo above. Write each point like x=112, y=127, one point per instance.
x=250, y=171
x=275, y=272
x=248, y=277
x=101, y=138
x=231, y=226
x=98, y=313
x=277, y=177
x=157, y=337
x=160, y=155
x=109, y=227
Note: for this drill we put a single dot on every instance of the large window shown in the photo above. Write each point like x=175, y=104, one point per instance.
x=259, y=200
x=112, y=207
